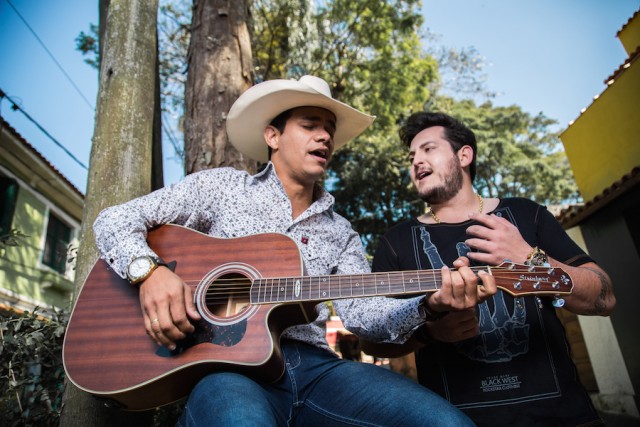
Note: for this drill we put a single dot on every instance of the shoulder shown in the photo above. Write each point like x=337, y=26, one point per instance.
x=220, y=173
x=217, y=178
x=521, y=206
x=520, y=202
x=399, y=230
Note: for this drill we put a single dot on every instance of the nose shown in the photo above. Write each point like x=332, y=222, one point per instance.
x=323, y=134
x=324, y=137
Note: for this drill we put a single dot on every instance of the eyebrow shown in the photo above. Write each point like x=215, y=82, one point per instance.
x=427, y=142
x=422, y=144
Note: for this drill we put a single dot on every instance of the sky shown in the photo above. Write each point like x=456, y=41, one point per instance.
x=549, y=56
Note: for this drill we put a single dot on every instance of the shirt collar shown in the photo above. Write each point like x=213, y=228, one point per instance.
x=323, y=202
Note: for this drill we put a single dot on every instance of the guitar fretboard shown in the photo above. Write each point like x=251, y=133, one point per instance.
x=317, y=288
x=513, y=278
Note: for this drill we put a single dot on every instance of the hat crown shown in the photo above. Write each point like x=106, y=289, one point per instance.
x=257, y=106
x=317, y=84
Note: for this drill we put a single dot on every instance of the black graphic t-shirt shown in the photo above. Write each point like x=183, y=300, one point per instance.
x=518, y=370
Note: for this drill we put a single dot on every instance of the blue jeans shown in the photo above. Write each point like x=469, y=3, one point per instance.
x=318, y=389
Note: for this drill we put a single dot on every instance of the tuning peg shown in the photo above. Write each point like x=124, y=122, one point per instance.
x=557, y=302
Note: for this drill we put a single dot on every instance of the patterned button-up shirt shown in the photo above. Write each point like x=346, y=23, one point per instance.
x=228, y=203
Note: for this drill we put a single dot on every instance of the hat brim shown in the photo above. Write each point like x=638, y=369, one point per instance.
x=260, y=104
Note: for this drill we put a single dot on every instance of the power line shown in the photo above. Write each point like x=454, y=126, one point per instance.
x=16, y=107
x=51, y=56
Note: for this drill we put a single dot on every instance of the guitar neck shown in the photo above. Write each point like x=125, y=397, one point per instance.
x=320, y=288
x=513, y=278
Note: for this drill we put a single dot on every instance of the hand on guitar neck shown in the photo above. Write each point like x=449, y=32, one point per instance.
x=459, y=289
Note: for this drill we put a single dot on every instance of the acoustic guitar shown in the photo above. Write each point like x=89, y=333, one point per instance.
x=248, y=290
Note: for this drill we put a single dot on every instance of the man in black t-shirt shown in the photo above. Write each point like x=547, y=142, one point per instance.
x=505, y=361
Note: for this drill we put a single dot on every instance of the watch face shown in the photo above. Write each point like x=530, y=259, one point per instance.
x=139, y=267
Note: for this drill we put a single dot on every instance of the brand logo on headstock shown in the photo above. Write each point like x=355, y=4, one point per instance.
x=534, y=278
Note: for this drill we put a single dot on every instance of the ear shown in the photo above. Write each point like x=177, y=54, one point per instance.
x=465, y=154
x=272, y=137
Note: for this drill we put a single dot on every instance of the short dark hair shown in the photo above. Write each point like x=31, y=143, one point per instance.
x=455, y=132
x=280, y=121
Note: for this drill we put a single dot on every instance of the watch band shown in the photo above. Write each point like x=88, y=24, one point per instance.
x=537, y=257
x=155, y=263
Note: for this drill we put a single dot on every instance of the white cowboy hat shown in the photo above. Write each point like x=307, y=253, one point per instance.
x=259, y=105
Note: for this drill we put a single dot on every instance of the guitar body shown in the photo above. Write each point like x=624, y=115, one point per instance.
x=108, y=354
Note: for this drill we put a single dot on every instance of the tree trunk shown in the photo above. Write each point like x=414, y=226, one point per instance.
x=120, y=157
x=157, y=174
x=219, y=71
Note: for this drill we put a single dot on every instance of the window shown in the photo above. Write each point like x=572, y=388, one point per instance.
x=55, y=247
x=8, y=197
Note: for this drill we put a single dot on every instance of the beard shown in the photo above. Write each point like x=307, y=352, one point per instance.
x=452, y=184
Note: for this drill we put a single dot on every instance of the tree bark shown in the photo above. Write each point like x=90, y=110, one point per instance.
x=157, y=169
x=219, y=71
x=120, y=164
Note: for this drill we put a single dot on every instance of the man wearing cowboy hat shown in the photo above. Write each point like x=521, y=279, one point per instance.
x=300, y=125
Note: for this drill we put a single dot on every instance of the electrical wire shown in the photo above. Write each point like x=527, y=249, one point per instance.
x=16, y=107
x=51, y=56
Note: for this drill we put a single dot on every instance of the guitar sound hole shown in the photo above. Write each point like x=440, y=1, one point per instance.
x=228, y=295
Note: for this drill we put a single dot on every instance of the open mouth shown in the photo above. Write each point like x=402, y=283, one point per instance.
x=423, y=174
x=323, y=154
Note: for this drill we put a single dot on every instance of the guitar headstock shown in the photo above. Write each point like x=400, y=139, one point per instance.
x=520, y=279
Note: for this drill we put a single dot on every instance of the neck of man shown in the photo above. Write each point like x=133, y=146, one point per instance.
x=456, y=209
x=300, y=188
x=301, y=198
x=300, y=195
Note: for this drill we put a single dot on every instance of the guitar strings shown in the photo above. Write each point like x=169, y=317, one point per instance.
x=371, y=276
x=239, y=288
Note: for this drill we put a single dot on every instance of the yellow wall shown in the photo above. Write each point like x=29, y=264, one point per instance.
x=576, y=235
x=629, y=36
x=603, y=144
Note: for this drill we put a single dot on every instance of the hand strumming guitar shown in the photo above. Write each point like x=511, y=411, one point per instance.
x=167, y=307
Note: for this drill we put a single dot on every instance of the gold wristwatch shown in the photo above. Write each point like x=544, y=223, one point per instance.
x=141, y=268
x=538, y=257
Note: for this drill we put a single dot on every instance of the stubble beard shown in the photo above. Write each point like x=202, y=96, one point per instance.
x=452, y=185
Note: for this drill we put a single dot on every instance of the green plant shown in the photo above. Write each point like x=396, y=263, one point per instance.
x=31, y=372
